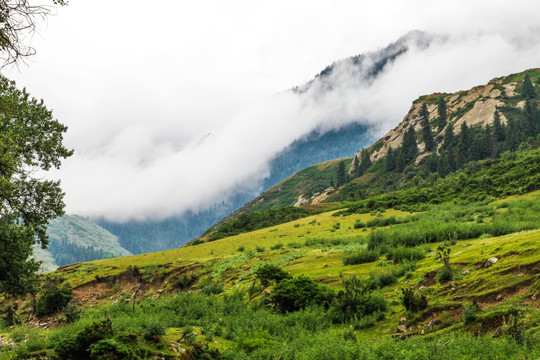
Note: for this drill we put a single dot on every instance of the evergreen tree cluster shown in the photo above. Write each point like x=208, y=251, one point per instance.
x=66, y=253
x=456, y=150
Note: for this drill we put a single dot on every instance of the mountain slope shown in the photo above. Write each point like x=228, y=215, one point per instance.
x=476, y=108
x=72, y=239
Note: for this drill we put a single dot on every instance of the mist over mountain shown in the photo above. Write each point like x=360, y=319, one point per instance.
x=339, y=132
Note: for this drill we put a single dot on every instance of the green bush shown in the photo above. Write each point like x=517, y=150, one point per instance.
x=182, y=282
x=52, y=299
x=469, y=313
x=360, y=257
x=241, y=248
x=152, y=331
x=260, y=248
x=212, y=289
x=413, y=301
x=401, y=253
x=445, y=274
x=276, y=246
x=299, y=293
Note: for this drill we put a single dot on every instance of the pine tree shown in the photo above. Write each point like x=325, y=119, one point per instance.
x=409, y=146
x=340, y=176
x=449, y=140
x=464, y=145
x=427, y=136
x=366, y=161
x=390, y=160
x=441, y=108
x=530, y=115
x=498, y=128
x=527, y=89
x=356, y=165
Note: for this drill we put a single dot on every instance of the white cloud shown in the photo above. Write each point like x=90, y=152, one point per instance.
x=141, y=85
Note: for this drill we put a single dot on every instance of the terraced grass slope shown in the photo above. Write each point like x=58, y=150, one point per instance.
x=494, y=289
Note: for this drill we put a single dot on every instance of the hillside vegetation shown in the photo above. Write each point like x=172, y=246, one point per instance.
x=426, y=274
x=435, y=255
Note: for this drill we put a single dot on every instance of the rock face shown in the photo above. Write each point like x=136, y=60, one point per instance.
x=475, y=107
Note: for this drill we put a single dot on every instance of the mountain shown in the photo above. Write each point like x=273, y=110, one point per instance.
x=474, y=109
x=74, y=239
x=319, y=145
x=428, y=260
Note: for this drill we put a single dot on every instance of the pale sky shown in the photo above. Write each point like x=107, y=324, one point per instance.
x=173, y=105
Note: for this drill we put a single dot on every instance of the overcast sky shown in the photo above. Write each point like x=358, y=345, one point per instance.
x=174, y=105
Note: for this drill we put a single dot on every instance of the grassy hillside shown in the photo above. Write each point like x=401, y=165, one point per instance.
x=389, y=250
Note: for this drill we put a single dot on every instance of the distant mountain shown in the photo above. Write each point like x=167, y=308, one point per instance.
x=317, y=146
x=73, y=239
x=146, y=236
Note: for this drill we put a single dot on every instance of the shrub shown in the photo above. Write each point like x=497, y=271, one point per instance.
x=268, y=273
x=52, y=299
x=260, y=248
x=356, y=301
x=9, y=315
x=359, y=224
x=469, y=313
x=402, y=253
x=111, y=349
x=445, y=274
x=360, y=257
x=182, y=282
x=276, y=246
x=71, y=313
x=153, y=330
x=77, y=346
x=413, y=301
x=212, y=289
x=299, y=293
x=241, y=248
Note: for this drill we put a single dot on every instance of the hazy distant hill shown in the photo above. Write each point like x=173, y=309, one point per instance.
x=73, y=239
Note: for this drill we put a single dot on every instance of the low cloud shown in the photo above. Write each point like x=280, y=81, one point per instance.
x=153, y=140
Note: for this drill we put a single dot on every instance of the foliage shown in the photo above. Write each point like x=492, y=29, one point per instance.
x=182, y=282
x=402, y=253
x=52, y=299
x=413, y=301
x=270, y=273
x=360, y=257
x=445, y=274
x=299, y=293
x=30, y=139
x=443, y=254
x=356, y=301
x=257, y=220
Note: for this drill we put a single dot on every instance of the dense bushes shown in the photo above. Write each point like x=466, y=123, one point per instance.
x=299, y=293
x=413, y=301
x=258, y=220
x=52, y=299
x=360, y=257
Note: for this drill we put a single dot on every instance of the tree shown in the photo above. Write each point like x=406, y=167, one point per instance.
x=527, y=89
x=356, y=166
x=365, y=163
x=390, y=160
x=427, y=136
x=340, y=175
x=30, y=143
x=441, y=108
x=409, y=146
x=18, y=19
x=449, y=140
x=464, y=145
x=498, y=127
